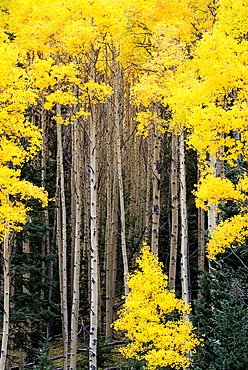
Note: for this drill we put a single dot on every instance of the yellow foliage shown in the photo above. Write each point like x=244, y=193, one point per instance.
x=96, y=92
x=229, y=233
x=190, y=56
x=153, y=318
x=19, y=140
x=62, y=97
x=233, y=231
x=146, y=120
x=13, y=194
x=212, y=190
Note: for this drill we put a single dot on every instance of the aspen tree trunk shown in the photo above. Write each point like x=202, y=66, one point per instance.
x=174, y=211
x=76, y=269
x=93, y=234
x=148, y=187
x=111, y=227
x=6, y=277
x=201, y=235
x=109, y=266
x=111, y=261
x=45, y=214
x=155, y=190
x=61, y=241
x=184, y=222
x=212, y=215
x=117, y=108
x=73, y=209
x=201, y=239
x=26, y=276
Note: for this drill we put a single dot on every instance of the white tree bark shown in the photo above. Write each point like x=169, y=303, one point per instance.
x=61, y=241
x=93, y=234
x=174, y=211
x=117, y=78
x=184, y=222
x=156, y=142
x=6, y=276
x=76, y=254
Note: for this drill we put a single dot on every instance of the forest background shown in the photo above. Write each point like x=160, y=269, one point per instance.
x=121, y=122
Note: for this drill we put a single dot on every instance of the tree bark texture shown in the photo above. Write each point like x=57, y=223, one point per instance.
x=76, y=254
x=156, y=142
x=174, y=211
x=6, y=302
x=94, y=277
x=117, y=108
x=184, y=222
x=61, y=240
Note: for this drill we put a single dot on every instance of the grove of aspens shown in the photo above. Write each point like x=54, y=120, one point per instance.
x=124, y=184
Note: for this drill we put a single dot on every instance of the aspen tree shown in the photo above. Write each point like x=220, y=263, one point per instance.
x=184, y=222
x=148, y=187
x=174, y=211
x=111, y=224
x=76, y=237
x=224, y=114
x=6, y=317
x=20, y=141
x=212, y=214
x=94, y=277
x=109, y=263
x=201, y=238
x=26, y=276
x=45, y=213
x=73, y=208
x=117, y=109
x=152, y=333
x=156, y=143
x=61, y=240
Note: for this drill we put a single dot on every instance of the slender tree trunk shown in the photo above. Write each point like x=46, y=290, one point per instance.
x=76, y=269
x=184, y=223
x=73, y=209
x=26, y=276
x=201, y=239
x=6, y=276
x=155, y=190
x=148, y=187
x=201, y=235
x=185, y=272
x=174, y=211
x=109, y=265
x=45, y=214
x=117, y=108
x=61, y=240
x=212, y=215
x=93, y=234
x=111, y=227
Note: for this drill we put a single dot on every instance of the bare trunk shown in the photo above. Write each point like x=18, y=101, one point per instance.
x=174, y=211
x=155, y=190
x=117, y=78
x=6, y=275
x=62, y=243
x=184, y=223
x=76, y=269
x=148, y=188
x=201, y=239
x=45, y=214
x=93, y=235
x=111, y=228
